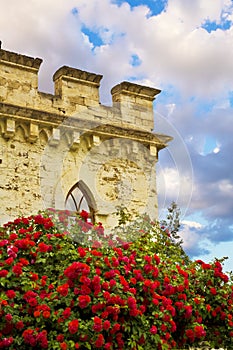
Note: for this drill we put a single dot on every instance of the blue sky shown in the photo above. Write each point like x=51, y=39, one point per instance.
x=155, y=6
x=182, y=47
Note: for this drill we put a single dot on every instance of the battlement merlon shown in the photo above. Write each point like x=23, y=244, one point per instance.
x=13, y=63
x=133, y=93
x=81, y=86
x=21, y=60
x=135, y=103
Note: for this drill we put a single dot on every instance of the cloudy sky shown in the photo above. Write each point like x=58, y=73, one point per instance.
x=183, y=47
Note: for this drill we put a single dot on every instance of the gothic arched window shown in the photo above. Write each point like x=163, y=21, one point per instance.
x=80, y=198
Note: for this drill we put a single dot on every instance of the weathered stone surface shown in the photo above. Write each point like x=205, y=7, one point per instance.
x=50, y=142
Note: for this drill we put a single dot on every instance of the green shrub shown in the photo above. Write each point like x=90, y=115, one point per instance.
x=65, y=284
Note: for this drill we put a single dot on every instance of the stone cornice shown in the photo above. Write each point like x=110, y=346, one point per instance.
x=86, y=77
x=158, y=140
x=28, y=114
x=21, y=60
x=128, y=88
x=84, y=127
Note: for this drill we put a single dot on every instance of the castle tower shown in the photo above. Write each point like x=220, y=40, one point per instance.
x=66, y=150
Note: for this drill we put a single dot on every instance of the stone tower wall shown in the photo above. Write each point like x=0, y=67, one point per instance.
x=49, y=142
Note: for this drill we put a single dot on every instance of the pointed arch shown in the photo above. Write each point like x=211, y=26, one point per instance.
x=43, y=136
x=66, y=136
x=21, y=132
x=80, y=198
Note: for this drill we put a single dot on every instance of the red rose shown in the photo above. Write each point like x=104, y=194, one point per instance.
x=190, y=334
x=106, y=325
x=34, y=276
x=67, y=312
x=32, y=302
x=84, y=300
x=3, y=242
x=206, y=266
x=153, y=330
x=19, y=325
x=100, y=341
x=36, y=313
x=60, y=338
x=63, y=289
x=43, y=248
x=157, y=259
x=10, y=294
x=73, y=326
x=115, y=328
x=9, y=261
x=3, y=273
x=84, y=215
x=188, y=311
x=163, y=327
x=200, y=332
x=97, y=327
x=213, y=291
x=81, y=252
x=17, y=269
x=46, y=314
x=8, y=317
x=24, y=262
x=63, y=346
x=13, y=236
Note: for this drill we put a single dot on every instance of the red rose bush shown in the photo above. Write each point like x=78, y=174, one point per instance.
x=65, y=284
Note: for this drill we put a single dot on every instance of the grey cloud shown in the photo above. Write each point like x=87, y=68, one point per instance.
x=196, y=250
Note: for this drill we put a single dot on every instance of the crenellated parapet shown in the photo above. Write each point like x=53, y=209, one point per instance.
x=53, y=143
x=76, y=93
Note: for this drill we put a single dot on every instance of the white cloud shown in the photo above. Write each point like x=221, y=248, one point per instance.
x=190, y=238
x=226, y=187
x=172, y=46
x=174, y=186
x=194, y=224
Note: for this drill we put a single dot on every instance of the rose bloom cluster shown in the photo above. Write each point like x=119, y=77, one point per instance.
x=68, y=286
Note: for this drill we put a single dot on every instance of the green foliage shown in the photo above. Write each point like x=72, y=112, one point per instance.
x=172, y=222
x=124, y=216
x=65, y=284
